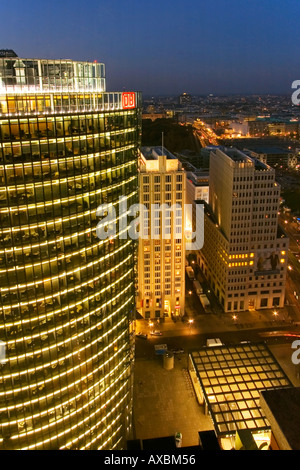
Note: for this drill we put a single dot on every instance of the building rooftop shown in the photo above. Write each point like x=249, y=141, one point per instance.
x=259, y=165
x=282, y=408
x=7, y=53
x=152, y=153
x=270, y=150
x=237, y=155
x=27, y=75
x=231, y=379
x=275, y=120
x=198, y=177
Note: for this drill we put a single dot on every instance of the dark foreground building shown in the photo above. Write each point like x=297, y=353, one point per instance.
x=67, y=296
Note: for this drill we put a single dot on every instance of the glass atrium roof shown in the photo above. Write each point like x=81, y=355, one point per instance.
x=231, y=378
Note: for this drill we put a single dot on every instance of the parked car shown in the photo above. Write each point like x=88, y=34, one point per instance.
x=156, y=333
x=142, y=335
x=177, y=351
x=178, y=439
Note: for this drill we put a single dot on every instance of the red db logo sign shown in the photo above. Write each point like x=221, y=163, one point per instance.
x=128, y=100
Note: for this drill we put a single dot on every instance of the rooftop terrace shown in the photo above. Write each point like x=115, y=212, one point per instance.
x=152, y=153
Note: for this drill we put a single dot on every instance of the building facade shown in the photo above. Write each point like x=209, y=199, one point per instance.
x=274, y=156
x=161, y=258
x=67, y=296
x=197, y=186
x=245, y=251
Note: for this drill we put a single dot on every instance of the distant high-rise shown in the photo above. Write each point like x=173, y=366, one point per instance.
x=185, y=99
x=67, y=297
x=245, y=251
x=161, y=260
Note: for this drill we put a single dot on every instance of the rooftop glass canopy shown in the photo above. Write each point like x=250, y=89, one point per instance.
x=231, y=378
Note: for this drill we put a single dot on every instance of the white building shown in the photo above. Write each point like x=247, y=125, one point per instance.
x=161, y=255
x=244, y=256
x=197, y=186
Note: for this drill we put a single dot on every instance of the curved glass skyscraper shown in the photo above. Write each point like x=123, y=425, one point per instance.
x=67, y=296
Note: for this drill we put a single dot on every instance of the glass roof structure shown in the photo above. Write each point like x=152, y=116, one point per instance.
x=231, y=378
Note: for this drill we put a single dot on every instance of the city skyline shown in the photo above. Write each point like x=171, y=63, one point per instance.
x=168, y=47
x=149, y=237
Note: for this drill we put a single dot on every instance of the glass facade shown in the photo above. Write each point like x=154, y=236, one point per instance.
x=67, y=297
x=38, y=75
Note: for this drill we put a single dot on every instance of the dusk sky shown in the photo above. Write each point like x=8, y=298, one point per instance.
x=165, y=46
